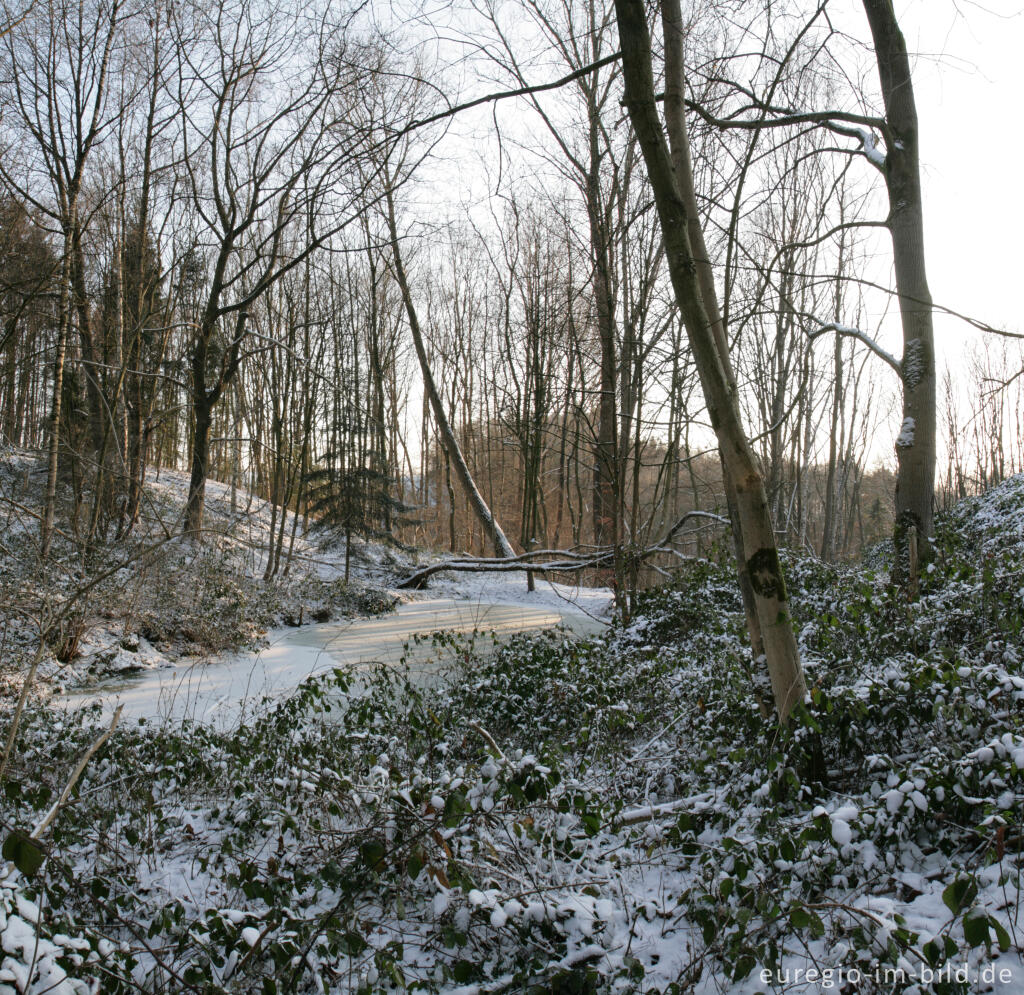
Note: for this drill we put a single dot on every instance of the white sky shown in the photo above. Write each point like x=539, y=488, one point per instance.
x=969, y=85
x=968, y=64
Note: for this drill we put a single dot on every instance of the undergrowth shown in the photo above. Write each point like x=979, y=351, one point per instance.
x=570, y=816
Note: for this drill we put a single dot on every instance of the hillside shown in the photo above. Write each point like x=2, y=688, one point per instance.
x=611, y=815
x=154, y=598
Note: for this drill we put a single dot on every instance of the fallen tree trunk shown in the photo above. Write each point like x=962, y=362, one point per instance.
x=547, y=561
x=489, y=524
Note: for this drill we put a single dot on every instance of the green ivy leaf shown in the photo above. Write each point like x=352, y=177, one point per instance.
x=933, y=953
x=709, y=930
x=454, y=808
x=24, y=852
x=976, y=929
x=1002, y=937
x=744, y=965
x=353, y=943
x=372, y=852
x=959, y=894
x=462, y=971
x=803, y=918
x=799, y=917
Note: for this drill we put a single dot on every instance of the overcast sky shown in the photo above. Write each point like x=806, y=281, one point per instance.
x=969, y=84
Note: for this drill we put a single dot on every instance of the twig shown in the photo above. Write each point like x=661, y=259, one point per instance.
x=44, y=823
x=488, y=738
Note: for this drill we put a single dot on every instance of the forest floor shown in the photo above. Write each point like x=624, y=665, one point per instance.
x=567, y=814
x=155, y=599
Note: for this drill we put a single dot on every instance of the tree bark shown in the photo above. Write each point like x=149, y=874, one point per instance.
x=915, y=445
x=606, y=479
x=679, y=147
x=488, y=522
x=53, y=444
x=203, y=403
x=759, y=555
x=203, y=412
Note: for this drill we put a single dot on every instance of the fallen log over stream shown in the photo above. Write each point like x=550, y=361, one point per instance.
x=545, y=561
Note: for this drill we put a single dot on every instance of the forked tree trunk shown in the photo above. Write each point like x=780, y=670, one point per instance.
x=915, y=445
x=488, y=523
x=759, y=552
x=679, y=147
x=203, y=404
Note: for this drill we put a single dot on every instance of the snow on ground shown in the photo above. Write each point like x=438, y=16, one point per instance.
x=612, y=816
x=230, y=607
x=995, y=518
x=510, y=588
x=230, y=687
x=377, y=563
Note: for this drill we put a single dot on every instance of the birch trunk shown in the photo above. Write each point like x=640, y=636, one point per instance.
x=759, y=553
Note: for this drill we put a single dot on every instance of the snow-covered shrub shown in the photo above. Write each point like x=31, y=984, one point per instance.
x=611, y=815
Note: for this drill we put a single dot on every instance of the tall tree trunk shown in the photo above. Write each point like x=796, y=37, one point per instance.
x=679, y=146
x=915, y=446
x=203, y=403
x=488, y=523
x=203, y=413
x=759, y=554
x=828, y=528
x=46, y=525
x=11, y=381
x=606, y=482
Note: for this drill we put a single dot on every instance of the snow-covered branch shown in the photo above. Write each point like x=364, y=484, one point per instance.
x=556, y=560
x=51, y=814
x=856, y=333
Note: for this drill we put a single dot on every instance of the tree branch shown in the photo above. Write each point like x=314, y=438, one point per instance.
x=856, y=333
x=44, y=823
x=805, y=117
x=521, y=91
x=538, y=560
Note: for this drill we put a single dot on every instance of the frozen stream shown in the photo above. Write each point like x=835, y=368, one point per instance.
x=222, y=690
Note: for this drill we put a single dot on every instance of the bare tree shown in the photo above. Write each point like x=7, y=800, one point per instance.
x=915, y=445
x=267, y=117
x=55, y=81
x=588, y=157
x=488, y=522
x=759, y=553
x=899, y=162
